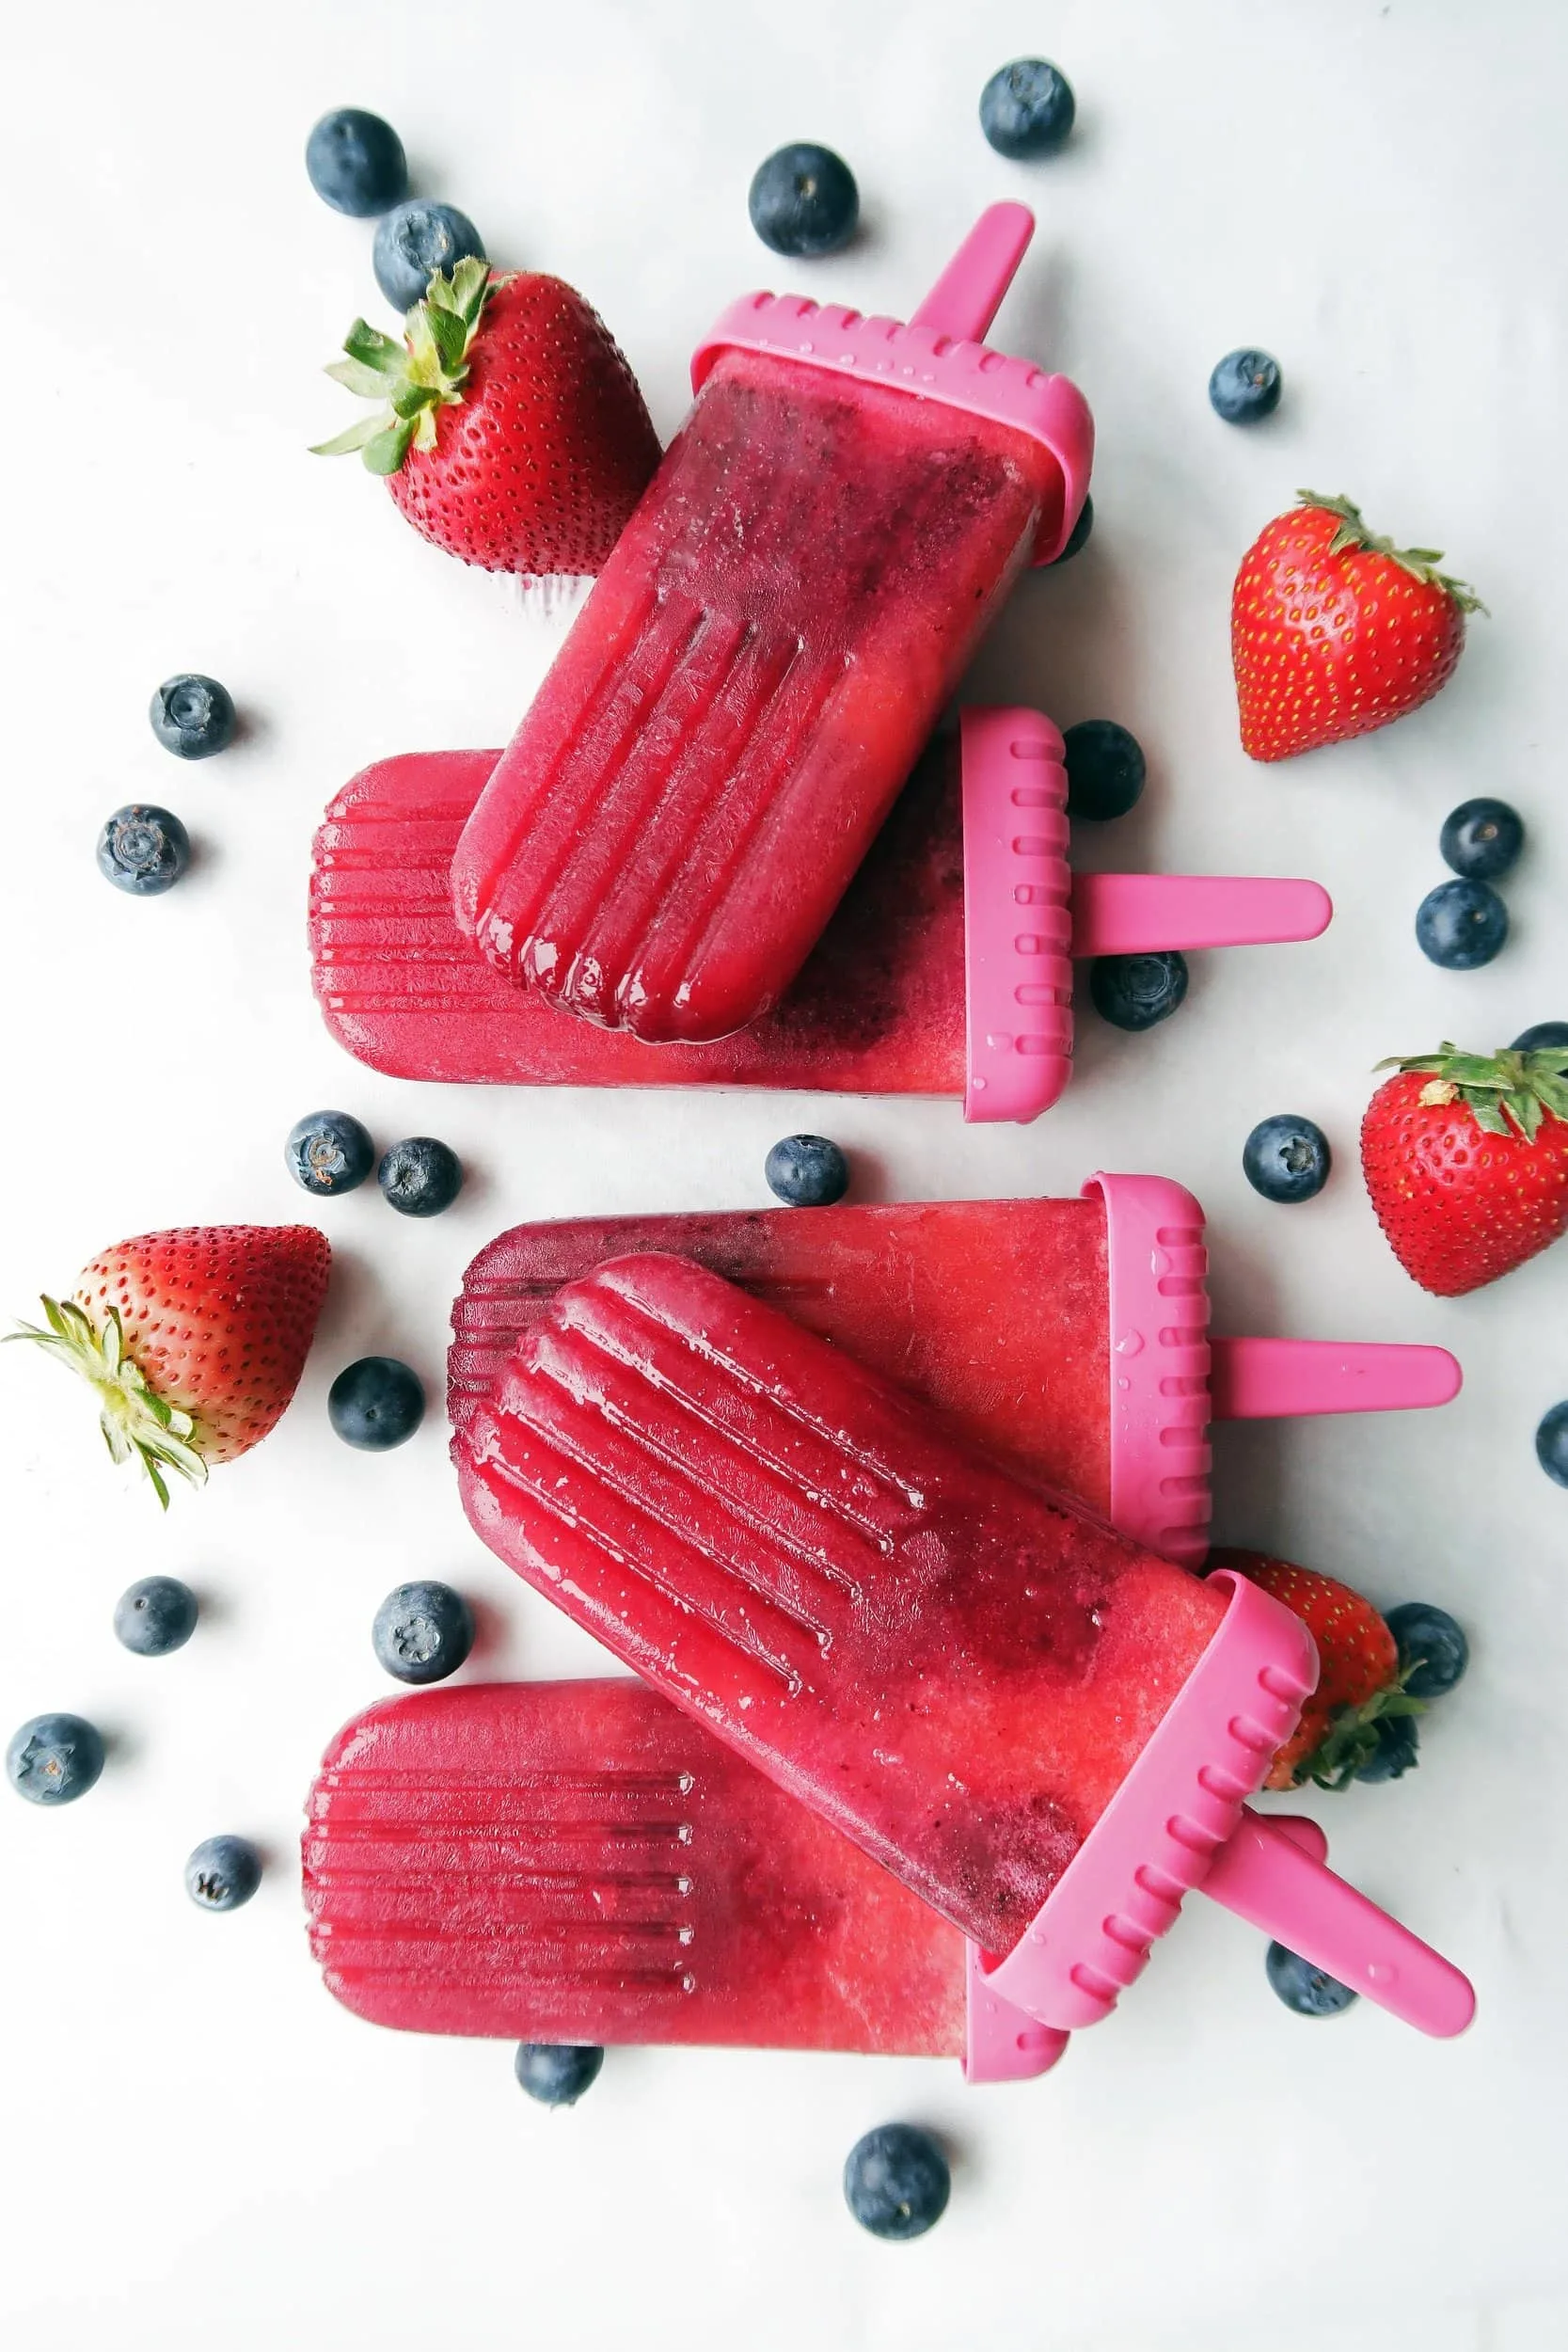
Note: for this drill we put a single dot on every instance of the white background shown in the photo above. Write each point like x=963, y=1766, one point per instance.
x=198, y=2148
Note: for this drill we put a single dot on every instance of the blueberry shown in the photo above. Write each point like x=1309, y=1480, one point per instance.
x=223, y=1873
x=420, y=1176
x=1547, y=1037
x=1135, y=992
x=193, y=716
x=357, y=163
x=1079, y=536
x=1551, y=1443
x=807, y=1172
x=143, y=850
x=375, y=1404
x=156, y=1616
x=1482, y=839
x=414, y=241
x=1105, y=770
x=1433, y=1652
x=557, y=2072
x=1027, y=109
x=422, y=1632
x=1244, y=387
x=1310, y=1992
x=1286, y=1158
x=1461, y=924
x=804, y=202
x=53, y=1760
x=1395, y=1752
x=328, y=1152
x=896, y=2182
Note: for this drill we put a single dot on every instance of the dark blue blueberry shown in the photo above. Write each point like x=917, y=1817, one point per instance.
x=804, y=202
x=1105, y=770
x=1551, y=1443
x=143, y=850
x=807, y=1172
x=193, y=716
x=1079, y=536
x=420, y=1176
x=1310, y=1992
x=896, y=2182
x=223, y=1873
x=156, y=1616
x=375, y=1404
x=1395, y=1752
x=357, y=163
x=1547, y=1037
x=1482, y=839
x=414, y=241
x=328, y=1152
x=1285, y=1158
x=53, y=1760
x=1027, y=109
x=557, y=2072
x=1244, y=387
x=422, y=1632
x=1461, y=924
x=1135, y=992
x=1433, y=1652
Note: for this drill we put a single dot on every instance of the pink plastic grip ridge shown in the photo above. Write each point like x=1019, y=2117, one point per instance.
x=1278, y=1379
x=1157, y=1270
x=1135, y=914
x=1018, y=968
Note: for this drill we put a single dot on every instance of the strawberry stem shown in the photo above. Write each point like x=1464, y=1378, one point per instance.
x=411, y=381
x=1506, y=1093
x=1420, y=562
x=136, y=1421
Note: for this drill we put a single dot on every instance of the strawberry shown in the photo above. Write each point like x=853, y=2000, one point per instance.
x=194, y=1340
x=1358, y=1672
x=1466, y=1158
x=512, y=433
x=1333, y=631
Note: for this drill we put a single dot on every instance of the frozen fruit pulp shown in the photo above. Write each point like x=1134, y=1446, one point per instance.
x=579, y=1862
x=996, y=1312
x=956, y=1670
x=747, y=687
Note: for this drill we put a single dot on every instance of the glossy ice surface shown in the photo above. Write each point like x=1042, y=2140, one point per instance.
x=956, y=1670
x=745, y=690
x=581, y=1862
x=996, y=1312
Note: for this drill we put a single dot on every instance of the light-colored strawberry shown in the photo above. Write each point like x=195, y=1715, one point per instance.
x=1335, y=631
x=1465, y=1158
x=512, y=433
x=1358, y=1672
x=194, y=1340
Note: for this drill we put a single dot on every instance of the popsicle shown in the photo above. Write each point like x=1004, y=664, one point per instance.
x=947, y=968
x=767, y=649
x=1045, y=1730
x=1069, y=1338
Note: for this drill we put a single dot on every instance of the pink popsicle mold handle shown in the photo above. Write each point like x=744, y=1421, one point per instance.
x=1018, y=969
x=1266, y=1878
x=1277, y=1379
x=937, y=356
x=1003, y=2044
x=1157, y=1269
x=1135, y=914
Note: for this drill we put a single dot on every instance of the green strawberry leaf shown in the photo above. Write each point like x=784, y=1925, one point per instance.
x=385, y=450
x=373, y=349
x=365, y=383
x=353, y=437
x=425, y=371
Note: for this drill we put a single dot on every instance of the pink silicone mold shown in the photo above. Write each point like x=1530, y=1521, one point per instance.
x=1157, y=1269
x=1018, y=931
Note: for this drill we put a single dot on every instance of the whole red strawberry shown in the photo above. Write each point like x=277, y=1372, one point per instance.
x=1333, y=631
x=194, y=1340
x=1358, y=1672
x=513, y=433
x=1465, y=1158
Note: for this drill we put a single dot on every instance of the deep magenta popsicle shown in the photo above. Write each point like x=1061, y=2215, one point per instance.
x=767, y=649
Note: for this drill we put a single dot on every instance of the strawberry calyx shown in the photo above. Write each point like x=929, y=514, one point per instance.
x=1506, y=1093
x=1351, y=1740
x=1420, y=562
x=136, y=1421
x=413, y=380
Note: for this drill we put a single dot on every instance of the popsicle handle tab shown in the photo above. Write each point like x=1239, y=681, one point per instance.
x=1003, y=2044
x=968, y=294
x=1266, y=1876
x=1280, y=1379
x=1018, y=973
x=1133, y=915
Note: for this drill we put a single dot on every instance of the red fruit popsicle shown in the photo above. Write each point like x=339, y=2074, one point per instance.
x=767, y=649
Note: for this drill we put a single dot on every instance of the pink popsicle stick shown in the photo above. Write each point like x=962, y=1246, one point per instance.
x=1269, y=1878
x=1278, y=1379
x=968, y=294
x=1130, y=915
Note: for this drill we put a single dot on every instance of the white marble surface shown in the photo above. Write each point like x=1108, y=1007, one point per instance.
x=200, y=2149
